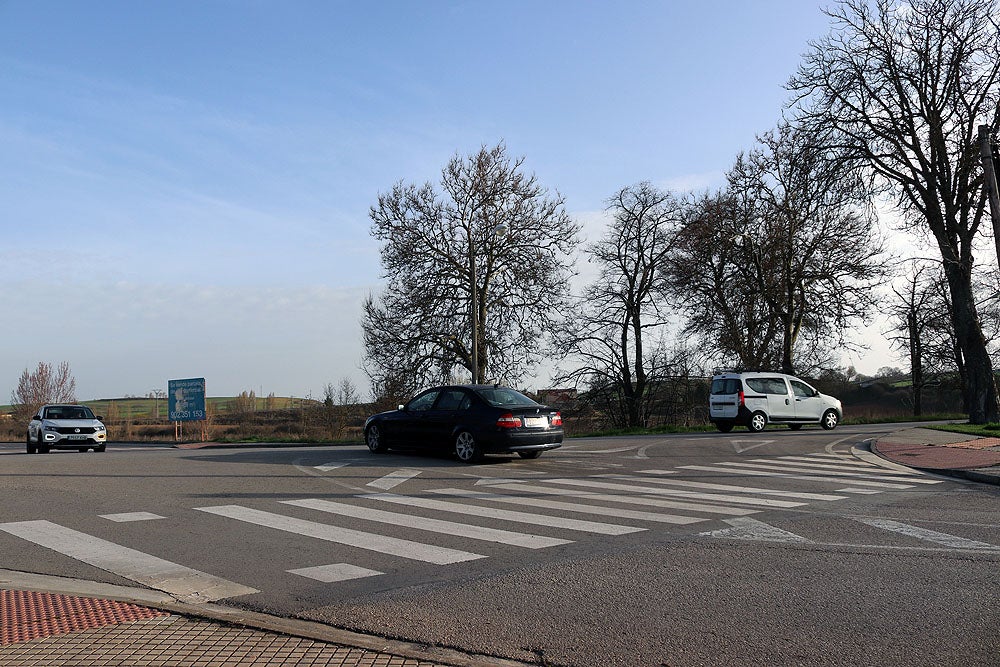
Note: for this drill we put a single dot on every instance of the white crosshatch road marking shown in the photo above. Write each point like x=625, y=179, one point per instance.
x=802, y=495
x=182, y=582
x=427, y=553
x=745, y=528
x=394, y=479
x=635, y=488
x=776, y=471
x=571, y=507
x=507, y=515
x=131, y=516
x=433, y=525
x=928, y=535
x=329, y=574
x=834, y=471
x=627, y=500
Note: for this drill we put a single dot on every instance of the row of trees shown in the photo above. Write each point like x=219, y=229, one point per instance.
x=772, y=270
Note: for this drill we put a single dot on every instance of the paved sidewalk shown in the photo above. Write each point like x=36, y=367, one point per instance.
x=943, y=452
x=86, y=624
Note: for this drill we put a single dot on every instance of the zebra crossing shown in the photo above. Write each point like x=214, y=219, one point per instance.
x=589, y=506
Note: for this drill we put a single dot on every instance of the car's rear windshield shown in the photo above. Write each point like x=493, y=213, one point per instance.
x=725, y=386
x=501, y=397
x=68, y=412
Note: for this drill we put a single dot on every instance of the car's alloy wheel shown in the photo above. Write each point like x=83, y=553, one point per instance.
x=830, y=420
x=758, y=421
x=466, y=448
x=373, y=437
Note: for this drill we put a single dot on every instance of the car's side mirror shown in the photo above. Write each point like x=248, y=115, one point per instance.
x=99, y=418
x=38, y=417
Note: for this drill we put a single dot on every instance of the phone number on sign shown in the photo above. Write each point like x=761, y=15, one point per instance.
x=178, y=415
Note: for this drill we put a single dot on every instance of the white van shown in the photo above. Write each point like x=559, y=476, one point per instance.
x=757, y=399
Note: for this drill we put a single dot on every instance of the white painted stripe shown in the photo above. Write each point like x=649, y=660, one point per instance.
x=763, y=502
x=816, y=470
x=840, y=461
x=846, y=466
x=433, y=525
x=858, y=491
x=628, y=500
x=177, y=580
x=571, y=507
x=336, y=572
x=130, y=516
x=658, y=472
x=742, y=469
x=326, y=467
x=927, y=535
x=394, y=479
x=745, y=528
x=507, y=515
x=427, y=553
x=802, y=495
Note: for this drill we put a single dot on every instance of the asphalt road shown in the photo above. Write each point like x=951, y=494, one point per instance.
x=778, y=548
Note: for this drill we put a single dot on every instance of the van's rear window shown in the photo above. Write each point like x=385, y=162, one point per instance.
x=725, y=386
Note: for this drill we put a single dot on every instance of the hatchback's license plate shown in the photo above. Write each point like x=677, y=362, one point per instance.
x=536, y=422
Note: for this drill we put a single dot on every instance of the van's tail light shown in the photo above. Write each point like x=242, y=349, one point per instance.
x=557, y=419
x=509, y=421
x=743, y=400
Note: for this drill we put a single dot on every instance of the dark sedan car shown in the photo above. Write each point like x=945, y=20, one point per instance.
x=471, y=420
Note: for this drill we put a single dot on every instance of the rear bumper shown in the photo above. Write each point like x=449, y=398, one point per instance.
x=514, y=441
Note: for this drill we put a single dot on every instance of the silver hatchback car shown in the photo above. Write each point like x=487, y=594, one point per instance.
x=66, y=427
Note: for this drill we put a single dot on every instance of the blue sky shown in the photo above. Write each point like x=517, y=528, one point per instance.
x=186, y=185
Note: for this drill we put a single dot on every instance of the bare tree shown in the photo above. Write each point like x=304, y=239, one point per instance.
x=907, y=87
x=444, y=251
x=789, y=250
x=47, y=384
x=608, y=334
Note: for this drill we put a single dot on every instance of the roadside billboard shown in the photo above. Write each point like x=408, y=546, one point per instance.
x=186, y=399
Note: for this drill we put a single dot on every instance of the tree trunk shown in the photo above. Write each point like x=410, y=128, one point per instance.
x=981, y=393
x=916, y=363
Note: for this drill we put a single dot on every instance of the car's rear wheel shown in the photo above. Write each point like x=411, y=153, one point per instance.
x=758, y=421
x=529, y=455
x=830, y=420
x=30, y=446
x=725, y=427
x=466, y=448
x=374, y=439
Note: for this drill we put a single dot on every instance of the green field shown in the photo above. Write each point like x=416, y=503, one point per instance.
x=149, y=408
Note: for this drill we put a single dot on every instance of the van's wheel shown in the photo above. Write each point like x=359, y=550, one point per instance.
x=466, y=448
x=830, y=420
x=758, y=421
x=725, y=427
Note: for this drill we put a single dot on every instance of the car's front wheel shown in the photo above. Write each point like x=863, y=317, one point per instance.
x=466, y=448
x=374, y=439
x=830, y=420
x=29, y=445
x=758, y=421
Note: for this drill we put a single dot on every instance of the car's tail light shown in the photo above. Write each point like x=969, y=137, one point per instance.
x=509, y=421
x=557, y=419
x=743, y=400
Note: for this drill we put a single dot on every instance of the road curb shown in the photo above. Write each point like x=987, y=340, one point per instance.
x=305, y=629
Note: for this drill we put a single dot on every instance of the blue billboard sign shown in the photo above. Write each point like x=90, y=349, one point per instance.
x=186, y=399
